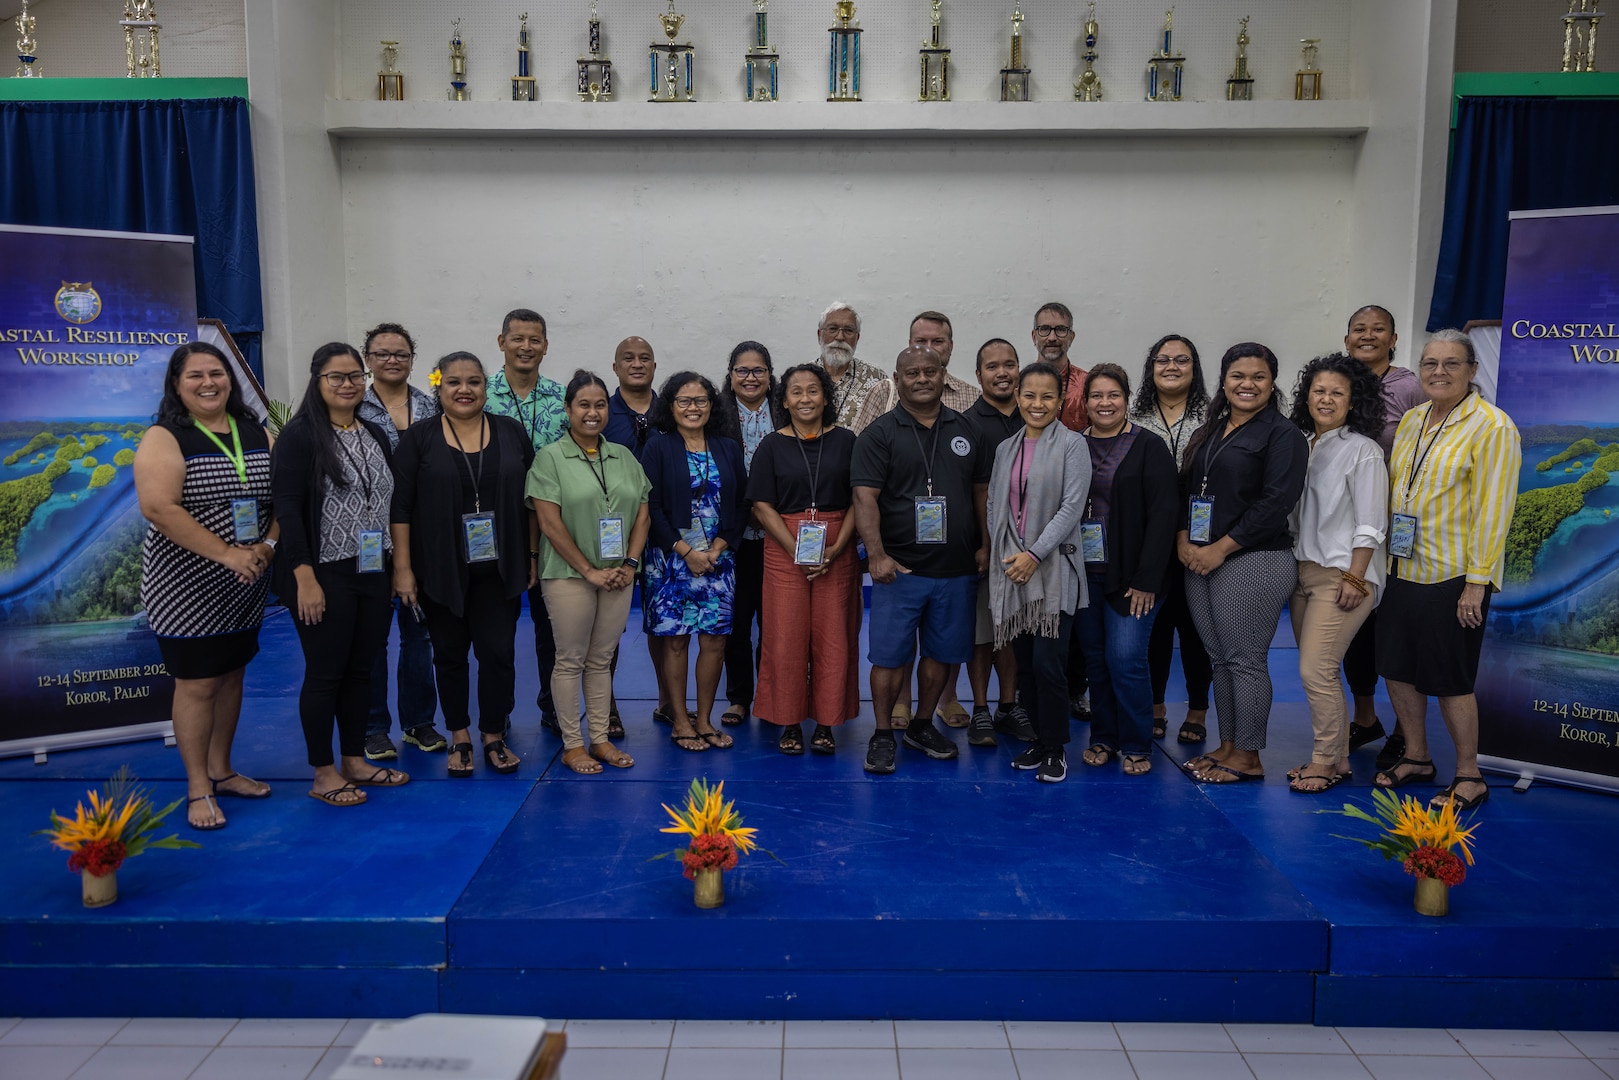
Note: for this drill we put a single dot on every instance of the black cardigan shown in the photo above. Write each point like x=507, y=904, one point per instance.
x=295, y=486
x=1143, y=511
x=429, y=477
x=670, y=504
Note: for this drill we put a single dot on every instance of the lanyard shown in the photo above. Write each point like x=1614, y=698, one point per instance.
x=234, y=455
x=1208, y=462
x=1178, y=428
x=937, y=422
x=601, y=477
x=702, y=468
x=1102, y=469
x=815, y=473
x=1023, y=485
x=1416, y=470
x=477, y=480
x=531, y=421
x=361, y=473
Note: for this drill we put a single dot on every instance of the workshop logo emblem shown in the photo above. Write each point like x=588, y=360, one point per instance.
x=78, y=302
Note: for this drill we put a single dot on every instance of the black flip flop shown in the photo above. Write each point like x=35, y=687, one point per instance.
x=791, y=740
x=1419, y=777
x=463, y=751
x=1461, y=802
x=735, y=716
x=821, y=740
x=265, y=794
x=206, y=828
x=1192, y=733
x=494, y=752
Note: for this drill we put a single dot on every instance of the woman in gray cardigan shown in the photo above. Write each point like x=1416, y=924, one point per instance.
x=1036, y=501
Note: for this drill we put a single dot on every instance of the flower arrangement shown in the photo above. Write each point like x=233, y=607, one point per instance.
x=715, y=828
x=118, y=826
x=1424, y=839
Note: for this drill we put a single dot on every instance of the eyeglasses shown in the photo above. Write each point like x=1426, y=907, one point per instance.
x=1449, y=367
x=751, y=372
x=691, y=402
x=840, y=331
x=1053, y=331
x=336, y=379
x=384, y=357
x=1172, y=361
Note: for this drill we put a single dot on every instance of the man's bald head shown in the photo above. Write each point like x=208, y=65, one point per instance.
x=634, y=364
x=919, y=375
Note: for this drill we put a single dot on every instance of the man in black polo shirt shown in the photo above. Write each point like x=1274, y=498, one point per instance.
x=921, y=479
x=995, y=415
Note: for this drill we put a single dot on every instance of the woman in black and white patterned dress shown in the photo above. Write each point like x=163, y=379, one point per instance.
x=202, y=475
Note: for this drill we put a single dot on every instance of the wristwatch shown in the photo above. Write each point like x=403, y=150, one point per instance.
x=270, y=542
x=633, y=564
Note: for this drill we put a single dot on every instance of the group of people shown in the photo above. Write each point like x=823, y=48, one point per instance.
x=1051, y=525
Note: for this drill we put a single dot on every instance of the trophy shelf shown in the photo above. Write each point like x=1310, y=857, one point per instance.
x=869, y=119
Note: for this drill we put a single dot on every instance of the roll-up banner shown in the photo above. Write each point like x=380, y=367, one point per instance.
x=87, y=323
x=1548, y=685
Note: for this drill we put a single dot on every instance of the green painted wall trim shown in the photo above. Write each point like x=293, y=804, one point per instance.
x=119, y=89
x=1569, y=84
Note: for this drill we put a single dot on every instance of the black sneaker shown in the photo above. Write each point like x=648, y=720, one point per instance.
x=981, y=732
x=380, y=748
x=1080, y=707
x=880, y=753
x=1361, y=734
x=1393, y=750
x=1030, y=758
x=426, y=738
x=1013, y=722
x=1054, y=768
x=926, y=738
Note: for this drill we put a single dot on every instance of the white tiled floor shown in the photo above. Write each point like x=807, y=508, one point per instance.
x=142, y=1049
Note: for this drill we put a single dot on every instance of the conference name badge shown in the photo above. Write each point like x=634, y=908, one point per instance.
x=369, y=561
x=610, y=538
x=932, y=515
x=1403, y=536
x=1093, y=541
x=1200, y=528
x=244, y=516
x=696, y=536
x=478, y=534
x=811, y=550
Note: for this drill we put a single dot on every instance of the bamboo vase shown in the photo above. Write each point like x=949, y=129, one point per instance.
x=709, y=888
x=1433, y=897
x=99, y=891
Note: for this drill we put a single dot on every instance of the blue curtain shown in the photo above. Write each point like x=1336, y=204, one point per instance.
x=1515, y=154
x=179, y=167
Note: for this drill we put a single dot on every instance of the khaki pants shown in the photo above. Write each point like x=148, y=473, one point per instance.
x=1324, y=631
x=587, y=623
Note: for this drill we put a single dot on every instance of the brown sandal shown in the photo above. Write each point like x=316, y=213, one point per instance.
x=612, y=755
x=581, y=761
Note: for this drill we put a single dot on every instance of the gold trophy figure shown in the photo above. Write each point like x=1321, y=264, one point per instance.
x=1307, y=80
x=458, y=65
x=667, y=84
x=595, y=70
x=390, y=80
x=1240, y=87
x=1089, y=86
x=843, y=69
x=761, y=60
x=935, y=56
x=1166, y=68
x=524, y=86
x=1579, y=35
x=1014, y=76
x=26, y=59
x=142, y=59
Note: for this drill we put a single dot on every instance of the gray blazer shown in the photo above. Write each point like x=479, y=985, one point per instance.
x=1059, y=483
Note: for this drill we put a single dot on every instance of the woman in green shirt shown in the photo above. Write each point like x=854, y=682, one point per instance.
x=591, y=498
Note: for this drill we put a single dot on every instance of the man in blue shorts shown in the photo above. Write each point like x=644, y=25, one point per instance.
x=921, y=479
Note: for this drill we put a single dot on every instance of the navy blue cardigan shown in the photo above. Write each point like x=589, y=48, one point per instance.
x=670, y=504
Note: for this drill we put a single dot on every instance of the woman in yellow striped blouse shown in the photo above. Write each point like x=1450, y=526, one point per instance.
x=1453, y=484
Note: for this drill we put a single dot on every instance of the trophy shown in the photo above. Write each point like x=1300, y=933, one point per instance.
x=1307, y=80
x=458, y=65
x=595, y=70
x=761, y=58
x=26, y=45
x=1089, y=86
x=1579, y=35
x=935, y=60
x=668, y=88
x=1240, y=87
x=844, y=68
x=1165, y=67
x=524, y=88
x=390, y=80
x=1014, y=76
x=141, y=59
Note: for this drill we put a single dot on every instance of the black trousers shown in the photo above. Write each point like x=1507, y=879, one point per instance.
x=1174, y=618
x=1078, y=682
x=488, y=624
x=545, y=648
x=1042, y=680
x=339, y=652
x=1360, y=662
x=741, y=657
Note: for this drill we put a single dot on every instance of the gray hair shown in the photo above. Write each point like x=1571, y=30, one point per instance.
x=833, y=308
x=1455, y=337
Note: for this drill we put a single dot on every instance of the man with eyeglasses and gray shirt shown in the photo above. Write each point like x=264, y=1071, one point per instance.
x=838, y=333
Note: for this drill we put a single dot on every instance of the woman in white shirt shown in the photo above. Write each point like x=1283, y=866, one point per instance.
x=1338, y=527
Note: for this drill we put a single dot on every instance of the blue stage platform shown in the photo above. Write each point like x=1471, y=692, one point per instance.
x=951, y=890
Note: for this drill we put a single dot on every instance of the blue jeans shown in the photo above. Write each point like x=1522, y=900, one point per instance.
x=1121, y=680
x=418, y=699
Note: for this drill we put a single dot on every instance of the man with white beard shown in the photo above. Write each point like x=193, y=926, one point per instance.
x=852, y=379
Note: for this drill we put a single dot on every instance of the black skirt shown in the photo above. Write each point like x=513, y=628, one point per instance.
x=1420, y=641
x=209, y=657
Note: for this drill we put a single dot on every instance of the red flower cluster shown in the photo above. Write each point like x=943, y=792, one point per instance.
x=709, y=852
x=1431, y=862
x=100, y=857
